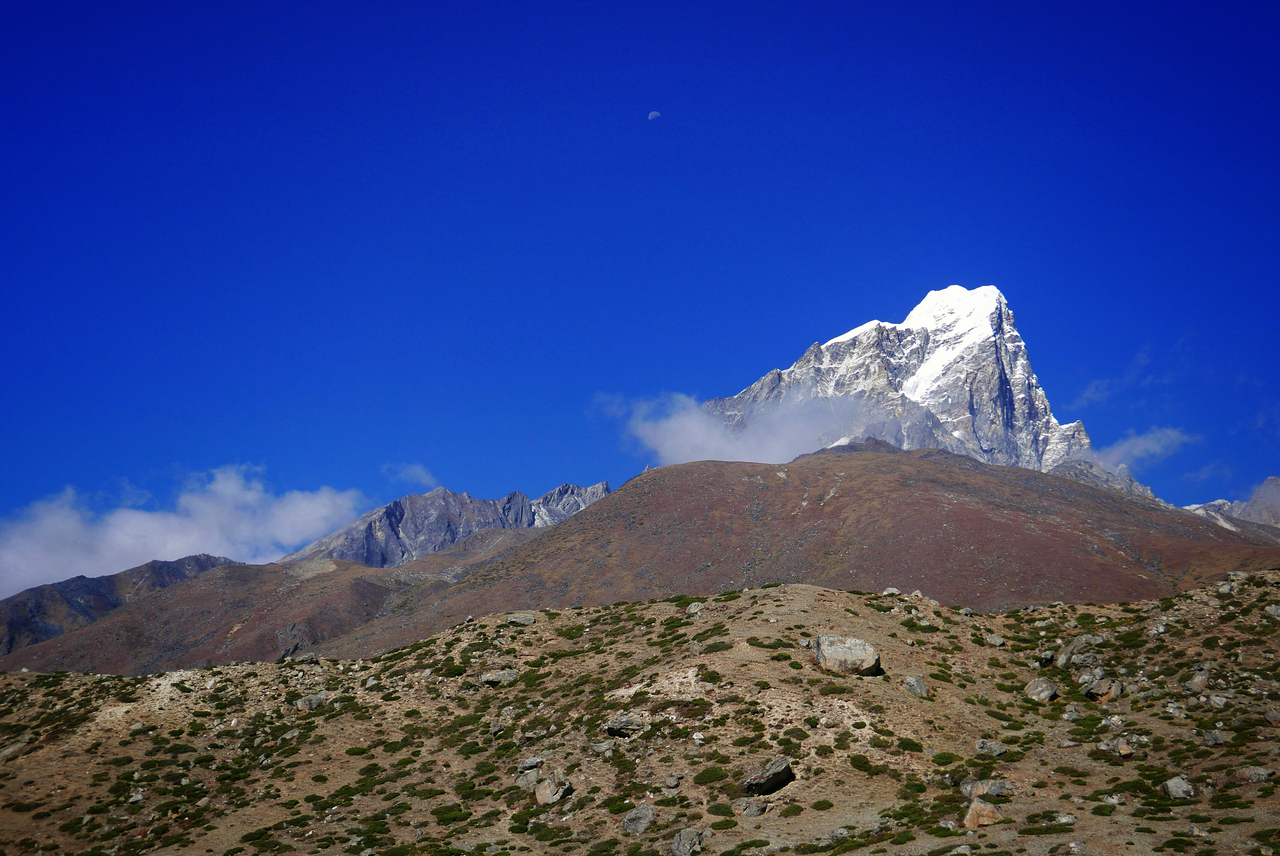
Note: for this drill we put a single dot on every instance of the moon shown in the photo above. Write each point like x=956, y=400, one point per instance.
x=655, y=114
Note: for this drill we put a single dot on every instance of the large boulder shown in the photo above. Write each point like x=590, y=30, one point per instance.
x=638, y=819
x=772, y=778
x=1041, y=689
x=915, y=685
x=626, y=724
x=845, y=654
x=1178, y=788
x=974, y=788
x=981, y=813
x=552, y=789
x=1075, y=646
x=499, y=677
x=522, y=619
x=687, y=842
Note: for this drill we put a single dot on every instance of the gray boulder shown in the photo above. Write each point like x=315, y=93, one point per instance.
x=1254, y=774
x=844, y=654
x=777, y=775
x=749, y=808
x=994, y=641
x=916, y=686
x=1075, y=646
x=499, y=677
x=522, y=619
x=638, y=819
x=687, y=842
x=993, y=748
x=529, y=764
x=528, y=779
x=1178, y=788
x=626, y=724
x=311, y=702
x=552, y=789
x=973, y=788
x=1041, y=689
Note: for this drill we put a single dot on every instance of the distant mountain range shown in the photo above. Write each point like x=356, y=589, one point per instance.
x=936, y=463
x=421, y=524
x=859, y=516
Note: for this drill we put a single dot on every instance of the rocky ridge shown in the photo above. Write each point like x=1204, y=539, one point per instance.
x=1262, y=507
x=418, y=525
x=679, y=726
x=47, y=611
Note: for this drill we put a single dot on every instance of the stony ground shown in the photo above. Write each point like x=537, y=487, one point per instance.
x=636, y=729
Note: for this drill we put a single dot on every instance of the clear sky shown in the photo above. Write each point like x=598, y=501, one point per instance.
x=266, y=265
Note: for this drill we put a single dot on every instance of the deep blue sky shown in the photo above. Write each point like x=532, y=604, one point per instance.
x=322, y=239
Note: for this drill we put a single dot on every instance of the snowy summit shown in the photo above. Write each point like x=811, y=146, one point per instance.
x=954, y=375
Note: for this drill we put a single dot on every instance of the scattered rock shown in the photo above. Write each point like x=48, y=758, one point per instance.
x=994, y=641
x=1213, y=738
x=1254, y=774
x=890, y=591
x=603, y=747
x=974, y=788
x=312, y=702
x=499, y=677
x=522, y=619
x=687, y=842
x=916, y=686
x=626, y=724
x=771, y=779
x=1272, y=609
x=527, y=764
x=993, y=748
x=552, y=789
x=749, y=808
x=693, y=608
x=528, y=779
x=1178, y=788
x=844, y=654
x=1041, y=690
x=980, y=814
x=1117, y=747
x=1074, y=647
x=638, y=819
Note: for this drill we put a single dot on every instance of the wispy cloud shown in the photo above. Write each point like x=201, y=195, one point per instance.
x=1137, y=450
x=1100, y=390
x=411, y=473
x=676, y=428
x=1212, y=470
x=227, y=512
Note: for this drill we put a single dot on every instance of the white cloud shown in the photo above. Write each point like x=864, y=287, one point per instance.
x=677, y=429
x=227, y=512
x=1136, y=450
x=412, y=473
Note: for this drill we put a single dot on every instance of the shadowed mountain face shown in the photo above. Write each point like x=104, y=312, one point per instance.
x=47, y=611
x=420, y=524
x=864, y=516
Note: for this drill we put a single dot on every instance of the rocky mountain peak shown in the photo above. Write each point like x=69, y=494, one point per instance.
x=421, y=524
x=954, y=375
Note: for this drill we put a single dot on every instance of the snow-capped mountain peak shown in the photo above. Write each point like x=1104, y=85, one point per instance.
x=954, y=374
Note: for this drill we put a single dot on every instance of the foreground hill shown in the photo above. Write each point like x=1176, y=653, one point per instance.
x=638, y=729
x=861, y=516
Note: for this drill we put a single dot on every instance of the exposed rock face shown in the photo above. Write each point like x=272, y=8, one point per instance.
x=843, y=654
x=424, y=523
x=954, y=375
x=1087, y=472
x=47, y=611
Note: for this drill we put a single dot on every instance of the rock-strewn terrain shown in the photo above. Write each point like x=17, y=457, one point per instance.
x=674, y=726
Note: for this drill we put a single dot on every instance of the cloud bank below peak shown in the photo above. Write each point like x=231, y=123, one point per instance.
x=228, y=511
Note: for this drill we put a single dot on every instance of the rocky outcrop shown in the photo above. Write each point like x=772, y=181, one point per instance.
x=420, y=524
x=1262, y=507
x=954, y=375
x=777, y=775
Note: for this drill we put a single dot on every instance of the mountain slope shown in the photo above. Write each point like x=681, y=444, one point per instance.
x=954, y=375
x=418, y=525
x=1262, y=507
x=47, y=611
